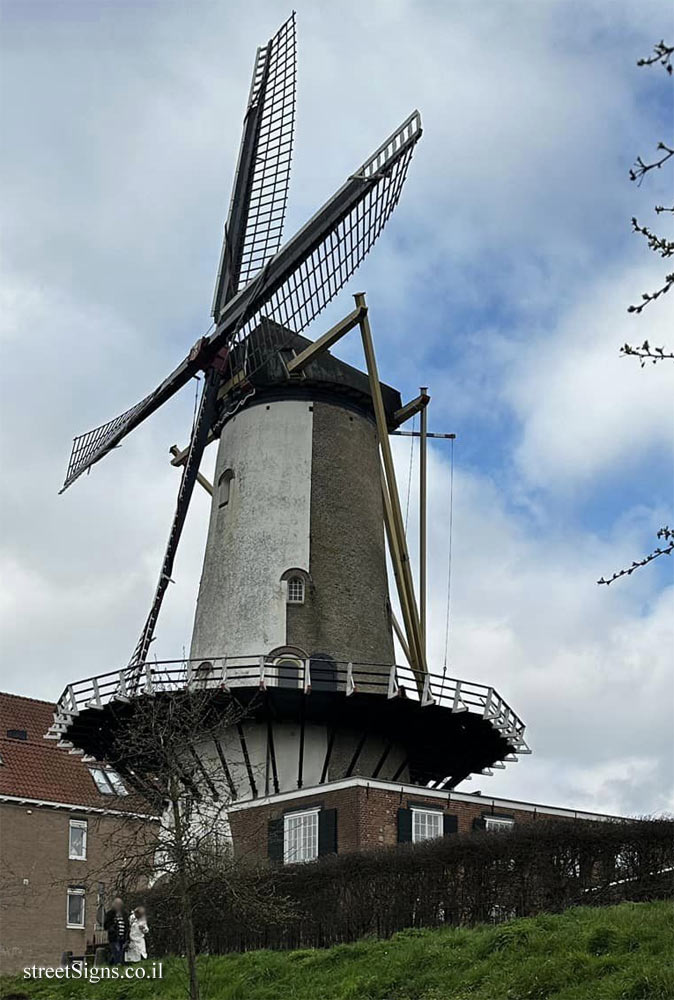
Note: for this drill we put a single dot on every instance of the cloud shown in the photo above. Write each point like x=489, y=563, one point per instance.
x=583, y=408
x=502, y=279
x=588, y=668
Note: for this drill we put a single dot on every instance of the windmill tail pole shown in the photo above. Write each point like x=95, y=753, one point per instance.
x=411, y=648
x=396, y=530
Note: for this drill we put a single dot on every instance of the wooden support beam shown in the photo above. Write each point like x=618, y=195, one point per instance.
x=397, y=529
x=409, y=409
x=334, y=334
x=180, y=454
x=399, y=576
x=180, y=457
x=397, y=628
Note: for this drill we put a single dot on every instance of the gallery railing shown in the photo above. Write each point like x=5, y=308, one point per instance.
x=306, y=675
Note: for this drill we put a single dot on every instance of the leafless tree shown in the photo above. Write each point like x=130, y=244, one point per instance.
x=664, y=247
x=170, y=748
x=662, y=55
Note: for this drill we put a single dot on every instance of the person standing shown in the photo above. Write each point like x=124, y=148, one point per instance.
x=116, y=923
x=137, y=949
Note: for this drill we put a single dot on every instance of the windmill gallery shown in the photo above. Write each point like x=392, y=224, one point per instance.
x=293, y=617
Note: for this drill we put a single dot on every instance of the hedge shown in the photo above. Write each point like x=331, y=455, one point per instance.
x=458, y=880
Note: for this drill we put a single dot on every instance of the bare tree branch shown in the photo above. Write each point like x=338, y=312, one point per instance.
x=641, y=168
x=662, y=54
x=652, y=296
x=668, y=535
x=658, y=244
x=647, y=353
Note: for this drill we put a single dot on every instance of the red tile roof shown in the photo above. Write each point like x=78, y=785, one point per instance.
x=36, y=768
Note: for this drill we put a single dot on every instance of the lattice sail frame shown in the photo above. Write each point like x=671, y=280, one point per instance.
x=271, y=175
x=260, y=191
x=291, y=290
x=324, y=272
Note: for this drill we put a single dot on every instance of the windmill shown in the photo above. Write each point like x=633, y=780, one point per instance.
x=256, y=281
x=293, y=608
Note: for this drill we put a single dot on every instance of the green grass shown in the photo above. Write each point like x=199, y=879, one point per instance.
x=622, y=952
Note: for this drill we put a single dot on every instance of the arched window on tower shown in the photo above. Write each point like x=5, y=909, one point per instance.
x=288, y=665
x=224, y=487
x=296, y=590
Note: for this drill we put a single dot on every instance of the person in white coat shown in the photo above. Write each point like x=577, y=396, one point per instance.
x=137, y=949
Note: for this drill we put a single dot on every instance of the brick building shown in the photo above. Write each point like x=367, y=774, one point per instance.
x=64, y=819
x=359, y=814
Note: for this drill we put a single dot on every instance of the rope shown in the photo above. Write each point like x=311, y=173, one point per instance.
x=449, y=557
x=197, y=380
x=409, y=474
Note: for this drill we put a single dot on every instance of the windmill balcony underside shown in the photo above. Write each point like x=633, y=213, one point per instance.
x=447, y=728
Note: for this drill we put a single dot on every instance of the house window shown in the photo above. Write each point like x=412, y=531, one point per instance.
x=300, y=836
x=77, y=840
x=295, y=590
x=224, y=487
x=107, y=781
x=75, y=908
x=426, y=824
x=498, y=824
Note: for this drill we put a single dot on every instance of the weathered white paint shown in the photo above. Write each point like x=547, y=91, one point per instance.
x=261, y=532
x=286, y=752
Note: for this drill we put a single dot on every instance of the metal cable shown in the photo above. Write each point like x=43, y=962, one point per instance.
x=449, y=557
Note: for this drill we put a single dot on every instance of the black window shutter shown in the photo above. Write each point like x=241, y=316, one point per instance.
x=479, y=823
x=404, y=826
x=450, y=824
x=327, y=832
x=275, y=839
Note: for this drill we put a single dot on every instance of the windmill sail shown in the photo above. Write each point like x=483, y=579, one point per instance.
x=327, y=256
x=257, y=210
x=198, y=439
x=292, y=288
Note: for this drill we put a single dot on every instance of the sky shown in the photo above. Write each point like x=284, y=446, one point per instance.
x=502, y=282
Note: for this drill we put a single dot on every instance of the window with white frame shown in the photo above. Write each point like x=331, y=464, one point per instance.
x=295, y=590
x=77, y=840
x=107, y=781
x=300, y=836
x=426, y=824
x=289, y=671
x=75, y=908
x=498, y=824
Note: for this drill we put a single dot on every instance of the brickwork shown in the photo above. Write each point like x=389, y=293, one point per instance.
x=345, y=615
x=250, y=826
x=367, y=816
x=36, y=873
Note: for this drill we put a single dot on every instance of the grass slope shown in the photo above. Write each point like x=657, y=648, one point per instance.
x=618, y=953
